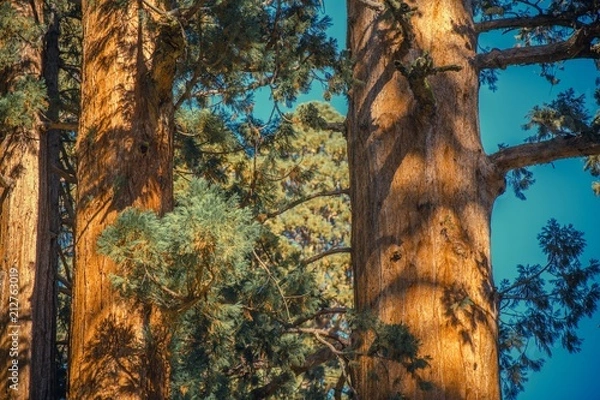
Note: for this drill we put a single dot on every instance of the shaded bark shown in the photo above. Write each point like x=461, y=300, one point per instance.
x=28, y=212
x=422, y=191
x=44, y=299
x=119, y=349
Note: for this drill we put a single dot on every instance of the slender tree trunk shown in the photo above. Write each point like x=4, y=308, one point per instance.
x=43, y=354
x=27, y=252
x=422, y=191
x=119, y=349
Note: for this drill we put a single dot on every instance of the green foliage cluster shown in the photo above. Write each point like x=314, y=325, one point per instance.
x=544, y=304
x=257, y=330
x=271, y=321
x=20, y=105
x=565, y=117
x=17, y=30
x=280, y=45
x=22, y=92
x=169, y=261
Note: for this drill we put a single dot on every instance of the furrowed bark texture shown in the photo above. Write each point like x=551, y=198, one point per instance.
x=44, y=299
x=27, y=247
x=119, y=349
x=18, y=241
x=422, y=191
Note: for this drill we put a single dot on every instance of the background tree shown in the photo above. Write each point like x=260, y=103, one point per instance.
x=132, y=52
x=124, y=158
x=28, y=200
x=422, y=187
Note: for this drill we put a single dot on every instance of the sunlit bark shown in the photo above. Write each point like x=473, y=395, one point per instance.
x=124, y=148
x=422, y=191
x=28, y=212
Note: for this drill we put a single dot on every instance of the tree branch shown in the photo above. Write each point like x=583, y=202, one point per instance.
x=325, y=311
x=529, y=154
x=336, y=127
x=70, y=178
x=63, y=126
x=566, y=20
x=321, y=356
x=263, y=217
x=579, y=45
x=324, y=254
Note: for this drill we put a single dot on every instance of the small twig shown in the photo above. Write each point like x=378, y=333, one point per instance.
x=279, y=289
x=295, y=203
x=62, y=126
x=317, y=257
x=338, y=310
x=64, y=174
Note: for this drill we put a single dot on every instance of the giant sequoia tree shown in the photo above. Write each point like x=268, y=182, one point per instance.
x=422, y=187
x=220, y=52
x=124, y=150
x=28, y=202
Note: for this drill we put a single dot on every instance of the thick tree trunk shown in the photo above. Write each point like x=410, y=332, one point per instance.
x=19, y=236
x=124, y=148
x=422, y=191
x=27, y=249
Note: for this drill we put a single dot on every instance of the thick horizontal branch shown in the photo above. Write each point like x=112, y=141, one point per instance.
x=336, y=127
x=579, y=45
x=529, y=154
x=63, y=126
x=329, y=193
x=317, y=257
x=565, y=20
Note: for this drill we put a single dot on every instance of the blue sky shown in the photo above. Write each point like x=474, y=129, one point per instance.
x=562, y=191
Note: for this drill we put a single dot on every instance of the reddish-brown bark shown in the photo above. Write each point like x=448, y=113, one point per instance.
x=28, y=212
x=125, y=152
x=422, y=191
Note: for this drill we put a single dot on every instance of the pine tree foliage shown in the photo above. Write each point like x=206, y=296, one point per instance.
x=545, y=304
x=272, y=322
x=278, y=45
x=565, y=117
x=22, y=95
x=171, y=261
